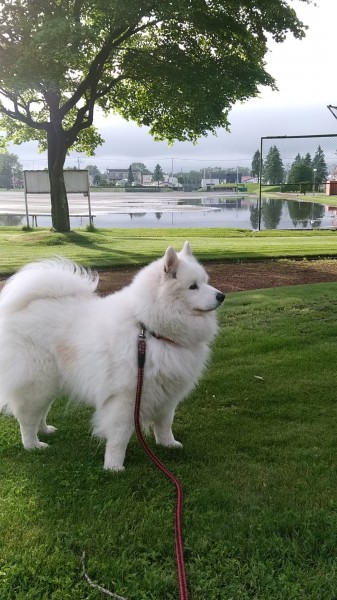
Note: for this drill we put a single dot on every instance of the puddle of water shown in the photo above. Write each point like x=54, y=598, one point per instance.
x=209, y=211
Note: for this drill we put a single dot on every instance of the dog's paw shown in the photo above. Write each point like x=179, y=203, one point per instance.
x=171, y=444
x=114, y=468
x=49, y=429
x=42, y=445
x=39, y=445
x=176, y=444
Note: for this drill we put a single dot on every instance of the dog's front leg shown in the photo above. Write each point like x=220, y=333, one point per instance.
x=115, y=452
x=163, y=430
x=114, y=422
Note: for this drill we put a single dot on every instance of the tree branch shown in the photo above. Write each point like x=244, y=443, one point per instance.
x=95, y=69
x=112, y=41
x=17, y=115
x=81, y=122
x=109, y=87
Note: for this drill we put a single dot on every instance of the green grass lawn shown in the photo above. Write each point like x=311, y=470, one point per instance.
x=121, y=247
x=259, y=469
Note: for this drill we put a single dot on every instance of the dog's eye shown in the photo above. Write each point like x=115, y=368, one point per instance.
x=194, y=286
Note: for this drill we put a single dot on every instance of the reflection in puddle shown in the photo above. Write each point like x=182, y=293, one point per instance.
x=208, y=211
x=11, y=220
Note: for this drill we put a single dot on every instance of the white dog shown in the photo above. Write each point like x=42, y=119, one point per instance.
x=58, y=337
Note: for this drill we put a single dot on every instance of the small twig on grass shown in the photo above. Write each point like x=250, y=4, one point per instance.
x=95, y=585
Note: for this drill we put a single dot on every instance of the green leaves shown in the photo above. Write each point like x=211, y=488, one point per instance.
x=175, y=66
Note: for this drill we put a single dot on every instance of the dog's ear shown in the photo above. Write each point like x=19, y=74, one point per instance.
x=187, y=250
x=171, y=262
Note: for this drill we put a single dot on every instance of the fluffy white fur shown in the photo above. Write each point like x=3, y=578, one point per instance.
x=57, y=336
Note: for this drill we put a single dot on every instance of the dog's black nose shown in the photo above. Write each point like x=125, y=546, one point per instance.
x=220, y=297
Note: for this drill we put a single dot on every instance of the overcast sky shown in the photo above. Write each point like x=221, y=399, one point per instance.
x=305, y=73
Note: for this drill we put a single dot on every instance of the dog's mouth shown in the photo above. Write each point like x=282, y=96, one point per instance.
x=201, y=311
x=219, y=299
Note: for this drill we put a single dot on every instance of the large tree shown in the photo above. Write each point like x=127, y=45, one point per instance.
x=175, y=66
x=256, y=165
x=158, y=174
x=10, y=170
x=273, y=170
x=130, y=176
x=95, y=174
x=301, y=174
x=318, y=163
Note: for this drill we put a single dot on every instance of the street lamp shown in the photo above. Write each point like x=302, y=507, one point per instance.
x=313, y=185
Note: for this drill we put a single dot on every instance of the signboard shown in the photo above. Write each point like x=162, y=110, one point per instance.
x=37, y=182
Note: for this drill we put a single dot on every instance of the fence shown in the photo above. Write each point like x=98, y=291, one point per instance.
x=295, y=168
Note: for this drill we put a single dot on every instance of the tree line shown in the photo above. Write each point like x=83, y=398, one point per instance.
x=304, y=170
x=11, y=173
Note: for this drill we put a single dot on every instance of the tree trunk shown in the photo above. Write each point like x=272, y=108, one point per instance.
x=57, y=151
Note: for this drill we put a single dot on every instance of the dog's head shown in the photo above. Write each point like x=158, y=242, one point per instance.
x=172, y=297
x=188, y=281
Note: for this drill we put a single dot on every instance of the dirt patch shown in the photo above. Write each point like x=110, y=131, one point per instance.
x=234, y=277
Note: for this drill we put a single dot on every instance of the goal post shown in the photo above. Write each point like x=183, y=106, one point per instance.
x=333, y=110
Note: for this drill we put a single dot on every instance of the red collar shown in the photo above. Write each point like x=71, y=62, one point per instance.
x=156, y=335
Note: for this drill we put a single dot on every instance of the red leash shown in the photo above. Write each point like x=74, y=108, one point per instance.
x=179, y=505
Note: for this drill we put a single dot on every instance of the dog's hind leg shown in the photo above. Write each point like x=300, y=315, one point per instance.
x=29, y=426
x=30, y=412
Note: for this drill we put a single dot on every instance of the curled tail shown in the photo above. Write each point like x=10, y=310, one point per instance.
x=52, y=278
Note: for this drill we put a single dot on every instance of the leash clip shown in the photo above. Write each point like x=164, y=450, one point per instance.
x=142, y=331
x=141, y=346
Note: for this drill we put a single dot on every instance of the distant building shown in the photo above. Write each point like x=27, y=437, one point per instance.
x=170, y=181
x=120, y=176
x=114, y=175
x=147, y=179
x=219, y=177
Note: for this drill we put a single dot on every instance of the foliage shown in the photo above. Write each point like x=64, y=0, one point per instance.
x=158, y=174
x=95, y=173
x=10, y=170
x=139, y=166
x=320, y=165
x=130, y=176
x=305, y=170
x=273, y=170
x=256, y=165
x=140, y=59
x=190, y=177
x=300, y=172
